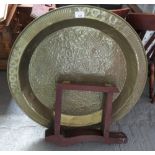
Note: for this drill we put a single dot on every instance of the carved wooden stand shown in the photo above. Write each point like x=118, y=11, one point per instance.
x=64, y=137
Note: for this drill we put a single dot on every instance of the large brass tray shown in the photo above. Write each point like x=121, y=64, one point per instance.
x=79, y=44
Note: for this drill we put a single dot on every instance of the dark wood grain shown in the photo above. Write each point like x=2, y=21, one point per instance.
x=141, y=21
x=121, y=12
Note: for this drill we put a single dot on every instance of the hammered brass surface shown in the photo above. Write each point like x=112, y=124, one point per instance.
x=76, y=54
x=113, y=54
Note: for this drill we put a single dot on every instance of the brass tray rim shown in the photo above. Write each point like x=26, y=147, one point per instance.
x=45, y=122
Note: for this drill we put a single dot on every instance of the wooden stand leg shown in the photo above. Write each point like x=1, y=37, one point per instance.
x=57, y=118
x=107, y=117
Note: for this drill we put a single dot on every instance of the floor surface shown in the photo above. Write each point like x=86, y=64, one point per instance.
x=18, y=132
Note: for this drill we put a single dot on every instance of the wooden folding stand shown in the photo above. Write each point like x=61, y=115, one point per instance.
x=70, y=136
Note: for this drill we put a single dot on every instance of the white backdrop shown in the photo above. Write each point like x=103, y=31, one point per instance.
x=147, y=7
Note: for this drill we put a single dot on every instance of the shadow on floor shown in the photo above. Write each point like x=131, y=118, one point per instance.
x=41, y=145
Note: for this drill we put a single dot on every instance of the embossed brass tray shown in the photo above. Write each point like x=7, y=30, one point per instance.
x=79, y=44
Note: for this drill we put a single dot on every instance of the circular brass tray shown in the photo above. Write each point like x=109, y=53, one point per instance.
x=98, y=47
